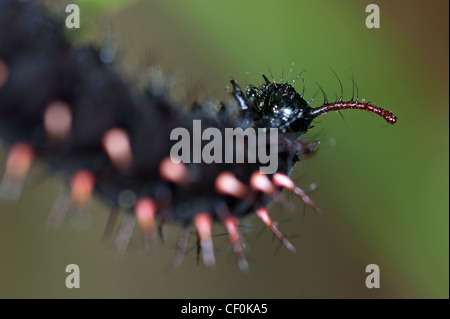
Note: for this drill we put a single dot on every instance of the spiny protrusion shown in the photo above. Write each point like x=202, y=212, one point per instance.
x=239, y=95
x=262, y=183
x=172, y=172
x=285, y=181
x=4, y=73
x=263, y=214
x=116, y=143
x=58, y=121
x=145, y=210
x=230, y=224
x=18, y=163
x=303, y=147
x=227, y=184
x=203, y=223
x=82, y=185
x=341, y=105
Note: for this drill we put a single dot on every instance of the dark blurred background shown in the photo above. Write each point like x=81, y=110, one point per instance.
x=383, y=189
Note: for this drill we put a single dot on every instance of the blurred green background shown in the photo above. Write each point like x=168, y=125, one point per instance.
x=383, y=189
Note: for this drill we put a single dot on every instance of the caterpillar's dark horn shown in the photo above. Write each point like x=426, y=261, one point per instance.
x=342, y=105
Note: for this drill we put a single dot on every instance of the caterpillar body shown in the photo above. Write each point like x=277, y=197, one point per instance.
x=83, y=121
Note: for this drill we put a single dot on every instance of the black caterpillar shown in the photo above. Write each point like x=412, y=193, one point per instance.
x=83, y=121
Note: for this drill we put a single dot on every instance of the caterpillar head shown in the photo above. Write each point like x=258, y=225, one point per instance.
x=279, y=105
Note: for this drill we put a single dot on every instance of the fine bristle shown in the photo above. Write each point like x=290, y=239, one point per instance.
x=203, y=222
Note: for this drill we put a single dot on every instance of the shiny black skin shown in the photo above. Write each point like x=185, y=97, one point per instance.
x=274, y=105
